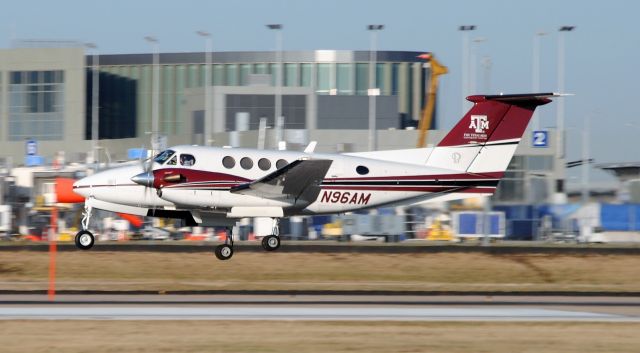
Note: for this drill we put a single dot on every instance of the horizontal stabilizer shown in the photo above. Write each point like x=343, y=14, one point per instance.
x=528, y=99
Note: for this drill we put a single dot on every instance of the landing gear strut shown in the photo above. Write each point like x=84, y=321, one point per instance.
x=225, y=251
x=272, y=242
x=84, y=238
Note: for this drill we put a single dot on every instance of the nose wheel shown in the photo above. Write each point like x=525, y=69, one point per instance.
x=84, y=240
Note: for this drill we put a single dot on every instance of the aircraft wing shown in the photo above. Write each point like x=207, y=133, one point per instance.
x=299, y=180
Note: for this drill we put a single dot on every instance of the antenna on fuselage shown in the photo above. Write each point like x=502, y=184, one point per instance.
x=311, y=147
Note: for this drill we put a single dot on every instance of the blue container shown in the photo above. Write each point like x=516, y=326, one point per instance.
x=32, y=161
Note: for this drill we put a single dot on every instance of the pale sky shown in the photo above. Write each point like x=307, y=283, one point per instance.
x=601, y=54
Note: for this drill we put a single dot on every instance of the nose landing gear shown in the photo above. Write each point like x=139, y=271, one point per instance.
x=84, y=239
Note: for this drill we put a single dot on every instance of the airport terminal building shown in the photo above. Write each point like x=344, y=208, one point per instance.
x=46, y=97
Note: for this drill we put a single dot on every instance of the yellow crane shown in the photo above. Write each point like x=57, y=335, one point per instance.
x=437, y=69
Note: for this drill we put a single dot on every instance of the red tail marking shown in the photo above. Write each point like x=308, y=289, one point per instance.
x=477, y=125
x=491, y=120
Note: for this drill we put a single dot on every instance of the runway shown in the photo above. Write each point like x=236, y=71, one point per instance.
x=320, y=308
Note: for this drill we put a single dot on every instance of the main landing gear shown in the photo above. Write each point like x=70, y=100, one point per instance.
x=225, y=251
x=269, y=243
x=272, y=242
x=84, y=238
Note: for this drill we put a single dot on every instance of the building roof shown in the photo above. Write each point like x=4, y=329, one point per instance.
x=259, y=56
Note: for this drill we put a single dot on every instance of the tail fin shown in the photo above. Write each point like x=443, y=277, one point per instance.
x=486, y=138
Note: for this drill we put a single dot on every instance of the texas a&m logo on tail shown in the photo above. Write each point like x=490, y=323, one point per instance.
x=479, y=123
x=479, y=126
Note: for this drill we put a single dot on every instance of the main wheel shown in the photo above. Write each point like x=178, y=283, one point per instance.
x=271, y=242
x=224, y=252
x=84, y=240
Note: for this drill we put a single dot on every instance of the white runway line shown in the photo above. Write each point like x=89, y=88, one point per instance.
x=132, y=312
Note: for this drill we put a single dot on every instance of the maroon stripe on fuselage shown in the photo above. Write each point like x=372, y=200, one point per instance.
x=202, y=186
x=199, y=176
x=193, y=175
x=489, y=189
x=492, y=175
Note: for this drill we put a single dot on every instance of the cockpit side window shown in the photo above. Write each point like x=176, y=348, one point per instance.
x=187, y=160
x=164, y=156
x=173, y=161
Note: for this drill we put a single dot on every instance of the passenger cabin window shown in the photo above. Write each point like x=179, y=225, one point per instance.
x=173, y=161
x=362, y=170
x=281, y=163
x=164, y=156
x=246, y=163
x=187, y=160
x=264, y=164
x=228, y=162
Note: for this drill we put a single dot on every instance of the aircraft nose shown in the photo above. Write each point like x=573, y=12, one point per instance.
x=145, y=179
x=81, y=187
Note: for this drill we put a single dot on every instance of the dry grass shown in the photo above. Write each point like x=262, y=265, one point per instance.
x=309, y=271
x=311, y=337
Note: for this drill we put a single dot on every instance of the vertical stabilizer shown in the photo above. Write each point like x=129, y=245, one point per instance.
x=486, y=138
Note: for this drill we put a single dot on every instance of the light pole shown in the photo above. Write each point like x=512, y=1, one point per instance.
x=486, y=64
x=372, y=92
x=560, y=116
x=155, y=92
x=208, y=122
x=473, y=65
x=585, y=194
x=535, y=72
x=277, y=119
x=465, y=62
x=95, y=124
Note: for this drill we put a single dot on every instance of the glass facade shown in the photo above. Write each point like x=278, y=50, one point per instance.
x=218, y=75
x=232, y=75
x=305, y=74
x=36, y=105
x=339, y=77
x=380, y=77
x=323, y=81
x=245, y=71
x=291, y=75
x=168, y=111
x=345, y=79
x=362, y=79
x=117, y=113
x=260, y=69
x=395, y=69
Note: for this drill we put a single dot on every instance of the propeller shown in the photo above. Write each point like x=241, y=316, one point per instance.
x=146, y=179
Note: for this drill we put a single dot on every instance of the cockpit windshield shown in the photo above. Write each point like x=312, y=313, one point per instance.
x=163, y=156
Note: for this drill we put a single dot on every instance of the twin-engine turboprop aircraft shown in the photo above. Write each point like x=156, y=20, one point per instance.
x=212, y=186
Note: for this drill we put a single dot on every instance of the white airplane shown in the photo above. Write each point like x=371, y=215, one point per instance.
x=210, y=186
